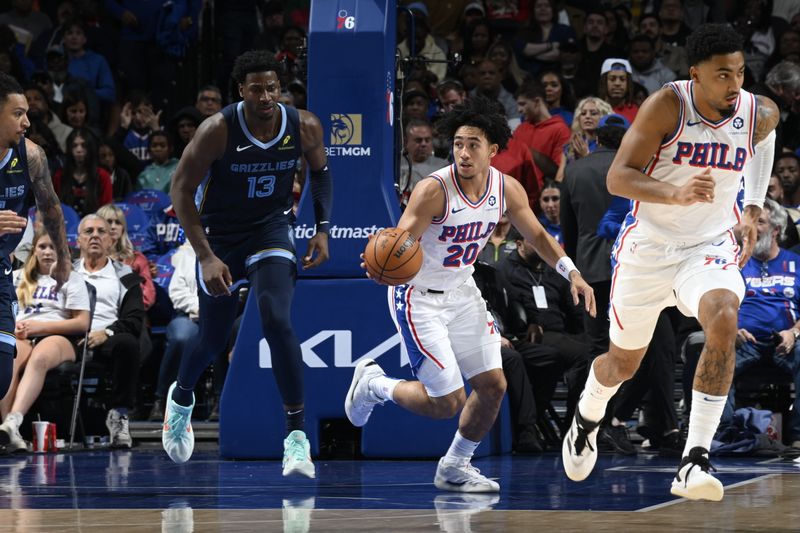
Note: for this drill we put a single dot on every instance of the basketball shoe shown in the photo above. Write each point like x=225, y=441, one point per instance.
x=10, y=438
x=461, y=476
x=693, y=482
x=297, y=455
x=360, y=399
x=177, y=436
x=579, y=450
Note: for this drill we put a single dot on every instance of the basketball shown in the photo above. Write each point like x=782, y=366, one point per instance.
x=393, y=257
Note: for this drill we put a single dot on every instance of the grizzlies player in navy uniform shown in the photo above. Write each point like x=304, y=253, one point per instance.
x=232, y=192
x=23, y=169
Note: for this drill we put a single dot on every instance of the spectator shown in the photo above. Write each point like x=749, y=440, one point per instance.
x=137, y=121
x=594, y=48
x=158, y=174
x=9, y=64
x=550, y=207
x=775, y=189
x=540, y=44
x=418, y=161
x=48, y=326
x=558, y=95
x=292, y=40
x=272, y=22
x=416, y=105
x=66, y=11
x=424, y=43
x=490, y=85
x=583, y=139
x=673, y=57
x=117, y=323
x=502, y=53
x=39, y=109
x=516, y=161
x=571, y=70
x=39, y=133
x=454, y=36
x=183, y=126
x=616, y=87
x=209, y=100
x=450, y=93
x=753, y=23
x=82, y=184
x=121, y=182
x=787, y=167
x=617, y=34
x=647, y=69
x=782, y=86
x=163, y=234
x=788, y=49
x=500, y=244
x=22, y=15
x=478, y=36
x=88, y=65
x=544, y=134
x=237, y=27
x=674, y=30
x=75, y=112
x=122, y=250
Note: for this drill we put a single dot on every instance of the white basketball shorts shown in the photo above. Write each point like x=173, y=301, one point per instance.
x=445, y=336
x=649, y=274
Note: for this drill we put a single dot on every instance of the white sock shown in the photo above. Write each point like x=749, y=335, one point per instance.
x=595, y=397
x=461, y=448
x=704, y=419
x=383, y=387
x=15, y=419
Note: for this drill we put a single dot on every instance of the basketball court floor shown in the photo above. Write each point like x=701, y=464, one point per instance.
x=142, y=490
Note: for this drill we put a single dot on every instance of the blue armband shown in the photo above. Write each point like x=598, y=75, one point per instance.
x=322, y=194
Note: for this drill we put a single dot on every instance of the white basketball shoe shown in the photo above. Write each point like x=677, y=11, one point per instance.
x=360, y=399
x=693, y=482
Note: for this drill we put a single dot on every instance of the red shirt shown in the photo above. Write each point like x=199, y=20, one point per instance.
x=516, y=161
x=628, y=111
x=548, y=137
x=104, y=190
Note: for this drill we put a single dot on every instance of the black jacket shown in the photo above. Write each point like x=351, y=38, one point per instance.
x=130, y=315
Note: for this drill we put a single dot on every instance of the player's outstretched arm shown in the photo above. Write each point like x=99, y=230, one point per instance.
x=321, y=188
x=207, y=146
x=49, y=207
x=521, y=217
x=656, y=120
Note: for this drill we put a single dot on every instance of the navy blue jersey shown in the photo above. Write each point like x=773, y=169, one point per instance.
x=15, y=189
x=252, y=182
x=772, y=297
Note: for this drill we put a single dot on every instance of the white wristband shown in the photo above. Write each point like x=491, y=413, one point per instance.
x=565, y=266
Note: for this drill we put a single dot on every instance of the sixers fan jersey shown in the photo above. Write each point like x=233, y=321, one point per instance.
x=772, y=295
x=725, y=147
x=14, y=191
x=252, y=182
x=451, y=244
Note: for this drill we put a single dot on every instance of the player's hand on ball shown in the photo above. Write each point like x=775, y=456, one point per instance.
x=579, y=287
x=699, y=188
x=216, y=276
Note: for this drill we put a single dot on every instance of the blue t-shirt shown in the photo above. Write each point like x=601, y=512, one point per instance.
x=552, y=229
x=772, y=295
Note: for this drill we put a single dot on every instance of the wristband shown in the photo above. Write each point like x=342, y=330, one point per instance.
x=565, y=266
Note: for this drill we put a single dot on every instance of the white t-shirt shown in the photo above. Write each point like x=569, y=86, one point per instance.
x=49, y=305
x=109, y=294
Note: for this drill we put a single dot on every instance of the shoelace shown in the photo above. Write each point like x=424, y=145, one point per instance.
x=297, y=451
x=703, y=462
x=177, y=423
x=582, y=440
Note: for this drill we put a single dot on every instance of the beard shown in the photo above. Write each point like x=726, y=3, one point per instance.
x=727, y=111
x=763, y=246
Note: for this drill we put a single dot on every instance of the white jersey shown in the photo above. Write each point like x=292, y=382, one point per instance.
x=451, y=244
x=725, y=146
x=47, y=304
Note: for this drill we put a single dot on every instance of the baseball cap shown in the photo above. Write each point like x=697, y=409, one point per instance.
x=613, y=120
x=56, y=49
x=408, y=95
x=475, y=6
x=419, y=7
x=616, y=63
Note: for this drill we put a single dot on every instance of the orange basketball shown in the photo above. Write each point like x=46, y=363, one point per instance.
x=393, y=257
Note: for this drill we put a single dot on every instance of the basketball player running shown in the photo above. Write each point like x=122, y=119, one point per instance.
x=682, y=163
x=441, y=316
x=232, y=192
x=23, y=168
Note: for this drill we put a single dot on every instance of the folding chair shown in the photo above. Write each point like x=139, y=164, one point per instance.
x=74, y=420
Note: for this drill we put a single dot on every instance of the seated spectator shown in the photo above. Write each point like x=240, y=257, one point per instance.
x=550, y=207
x=183, y=126
x=583, y=139
x=23, y=16
x=558, y=95
x=75, y=112
x=500, y=244
x=9, y=64
x=424, y=43
x=209, y=100
x=540, y=44
x=163, y=234
x=511, y=76
x=48, y=326
x=137, y=121
x=544, y=134
x=787, y=167
x=647, y=68
x=82, y=184
x=673, y=57
x=158, y=174
x=39, y=133
x=88, y=65
x=419, y=154
x=120, y=179
x=490, y=85
x=616, y=87
x=123, y=251
x=594, y=50
x=39, y=109
x=117, y=323
x=515, y=160
x=416, y=105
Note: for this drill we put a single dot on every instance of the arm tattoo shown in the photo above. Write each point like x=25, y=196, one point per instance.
x=766, y=119
x=47, y=202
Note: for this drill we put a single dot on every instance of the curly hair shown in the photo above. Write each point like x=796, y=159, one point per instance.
x=254, y=61
x=711, y=40
x=8, y=85
x=477, y=112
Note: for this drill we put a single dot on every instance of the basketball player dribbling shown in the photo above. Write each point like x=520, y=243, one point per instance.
x=442, y=319
x=682, y=163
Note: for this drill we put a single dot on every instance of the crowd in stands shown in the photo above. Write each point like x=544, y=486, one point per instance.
x=117, y=89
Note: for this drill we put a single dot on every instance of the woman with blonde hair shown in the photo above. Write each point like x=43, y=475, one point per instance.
x=48, y=325
x=583, y=140
x=123, y=251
